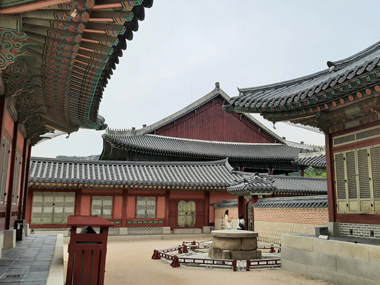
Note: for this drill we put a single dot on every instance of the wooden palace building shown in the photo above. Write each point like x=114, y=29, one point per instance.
x=343, y=102
x=56, y=57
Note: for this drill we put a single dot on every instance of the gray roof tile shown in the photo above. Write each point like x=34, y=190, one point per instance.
x=313, y=161
x=192, y=174
x=293, y=202
x=291, y=91
x=203, y=149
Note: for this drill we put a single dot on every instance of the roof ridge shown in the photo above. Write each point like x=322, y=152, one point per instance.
x=346, y=61
x=78, y=161
x=297, y=177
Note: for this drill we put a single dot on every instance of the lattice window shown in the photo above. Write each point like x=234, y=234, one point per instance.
x=345, y=139
x=368, y=133
x=363, y=174
x=4, y=168
x=102, y=206
x=351, y=175
x=340, y=176
x=52, y=208
x=146, y=207
x=375, y=167
x=16, y=179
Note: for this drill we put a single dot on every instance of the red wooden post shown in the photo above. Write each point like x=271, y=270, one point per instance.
x=248, y=265
x=156, y=255
x=279, y=249
x=234, y=265
x=272, y=248
x=87, y=252
x=175, y=262
x=184, y=247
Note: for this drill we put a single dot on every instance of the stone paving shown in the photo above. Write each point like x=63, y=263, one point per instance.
x=29, y=262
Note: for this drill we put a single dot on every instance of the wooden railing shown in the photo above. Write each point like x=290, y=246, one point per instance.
x=232, y=264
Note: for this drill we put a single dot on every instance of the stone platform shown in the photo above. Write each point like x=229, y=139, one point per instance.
x=234, y=244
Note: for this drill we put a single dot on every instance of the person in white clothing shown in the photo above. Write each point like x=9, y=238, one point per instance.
x=227, y=220
x=241, y=223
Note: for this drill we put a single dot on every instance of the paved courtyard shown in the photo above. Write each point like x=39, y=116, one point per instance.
x=129, y=262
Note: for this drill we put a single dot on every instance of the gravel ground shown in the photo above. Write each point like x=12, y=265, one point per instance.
x=130, y=262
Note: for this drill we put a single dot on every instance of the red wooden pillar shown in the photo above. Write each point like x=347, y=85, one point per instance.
x=330, y=178
x=125, y=206
x=271, y=171
x=26, y=183
x=2, y=108
x=207, y=208
x=302, y=172
x=24, y=176
x=253, y=200
x=166, y=221
x=241, y=207
x=8, y=214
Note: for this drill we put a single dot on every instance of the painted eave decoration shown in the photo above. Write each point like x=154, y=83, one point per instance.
x=323, y=99
x=56, y=57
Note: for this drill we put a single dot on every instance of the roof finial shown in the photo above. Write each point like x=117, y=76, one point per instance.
x=217, y=86
x=331, y=66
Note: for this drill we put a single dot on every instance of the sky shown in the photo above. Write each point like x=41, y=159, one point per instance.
x=181, y=49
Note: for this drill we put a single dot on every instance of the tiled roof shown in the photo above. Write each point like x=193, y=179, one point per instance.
x=286, y=185
x=253, y=184
x=293, y=202
x=313, y=161
x=281, y=202
x=188, y=109
x=202, y=149
x=50, y=172
x=296, y=90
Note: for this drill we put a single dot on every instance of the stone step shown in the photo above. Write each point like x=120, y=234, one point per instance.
x=187, y=231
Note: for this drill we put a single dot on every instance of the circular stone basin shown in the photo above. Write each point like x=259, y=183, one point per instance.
x=234, y=234
x=234, y=244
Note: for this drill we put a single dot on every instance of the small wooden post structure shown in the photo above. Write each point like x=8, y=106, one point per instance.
x=87, y=252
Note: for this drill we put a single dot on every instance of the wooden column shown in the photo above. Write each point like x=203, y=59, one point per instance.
x=8, y=213
x=253, y=200
x=26, y=183
x=124, y=211
x=2, y=108
x=302, y=172
x=241, y=207
x=207, y=208
x=24, y=176
x=330, y=178
x=166, y=221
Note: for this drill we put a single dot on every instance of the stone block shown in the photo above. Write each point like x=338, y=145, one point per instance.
x=227, y=243
x=245, y=254
x=187, y=231
x=215, y=253
x=353, y=250
x=333, y=228
x=207, y=229
x=234, y=234
x=298, y=242
x=123, y=231
x=346, y=266
x=26, y=229
x=9, y=238
x=365, y=281
x=300, y=256
x=331, y=276
x=374, y=253
x=286, y=253
x=321, y=260
x=321, y=231
x=368, y=270
x=293, y=266
x=226, y=254
x=249, y=243
x=166, y=231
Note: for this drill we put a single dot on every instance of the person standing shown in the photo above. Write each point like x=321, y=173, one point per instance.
x=241, y=223
x=227, y=220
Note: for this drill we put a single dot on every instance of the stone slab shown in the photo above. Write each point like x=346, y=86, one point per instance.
x=123, y=231
x=333, y=228
x=249, y=243
x=226, y=243
x=9, y=238
x=166, y=231
x=298, y=242
x=187, y=231
x=215, y=253
x=245, y=254
x=234, y=234
x=293, y=266
x=207, y=229
x=226, y=254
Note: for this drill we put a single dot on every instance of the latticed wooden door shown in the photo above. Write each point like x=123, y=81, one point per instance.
x=102, y=206
x=186, y=213
x=146, y=208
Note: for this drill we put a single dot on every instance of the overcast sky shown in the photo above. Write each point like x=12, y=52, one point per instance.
x=183, y=47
